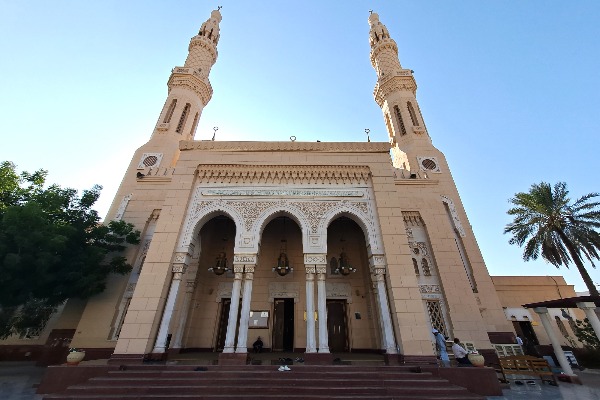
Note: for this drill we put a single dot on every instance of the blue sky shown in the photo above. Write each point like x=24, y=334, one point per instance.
x=510, y=90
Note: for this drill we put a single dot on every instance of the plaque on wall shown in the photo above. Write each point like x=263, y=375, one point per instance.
x=259, y=319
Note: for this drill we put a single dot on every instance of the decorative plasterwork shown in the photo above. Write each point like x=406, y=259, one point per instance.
x=245, y=259
x=281, y=290
x=322, y=147
x=283, y=174
x=338, y=290
x=197, y=84
x=385, y=44
x=430, y=291
x=283, y=193
x=412, y=218
x=394, y=84
x=454, y=214
x=122, y=207
x=203, y=42
x=314, y=259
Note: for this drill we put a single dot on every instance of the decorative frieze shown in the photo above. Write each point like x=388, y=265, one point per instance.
x=283, y=193
x=279, y=290
x=245, y=259
x=315, y=258
x=429, y=289
x=322, y=147
x=338, y=290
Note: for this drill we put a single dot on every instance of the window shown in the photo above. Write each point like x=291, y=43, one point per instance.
x=436, y=317
x=170, y=111
x=400, y=122
x=194, y=124
x=426, y=269
x=416, y=266
x=413, y=116
x=184, y=114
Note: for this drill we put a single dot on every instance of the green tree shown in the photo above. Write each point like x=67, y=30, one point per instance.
x=547, y=223
x=586, y=335
x=52, y=247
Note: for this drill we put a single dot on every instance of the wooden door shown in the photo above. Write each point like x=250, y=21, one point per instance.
x=283, y=325
x=337, y=326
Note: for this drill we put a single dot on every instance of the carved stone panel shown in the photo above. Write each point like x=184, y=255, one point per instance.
x=339, y=290
x=283, y=290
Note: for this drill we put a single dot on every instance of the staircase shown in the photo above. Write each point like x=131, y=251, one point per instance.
x=311, y=382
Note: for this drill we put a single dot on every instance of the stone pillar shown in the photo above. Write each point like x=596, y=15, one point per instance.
x=589, y=309
x=311, y=344
x=322, y=309
x=558, y=351
x=242, y=344
x=189, y=290
x=178, y=269
x=233, y=310
x=378, y=276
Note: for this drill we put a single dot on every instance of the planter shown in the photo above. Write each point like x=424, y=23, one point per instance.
x=477, y=360
x=75, y=357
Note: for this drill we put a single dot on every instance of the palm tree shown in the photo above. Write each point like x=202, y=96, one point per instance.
x=547, y=223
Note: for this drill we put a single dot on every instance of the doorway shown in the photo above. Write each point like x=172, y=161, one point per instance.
x=283, y=325
x=525, y=330
x=223, y=322
x=337, y=326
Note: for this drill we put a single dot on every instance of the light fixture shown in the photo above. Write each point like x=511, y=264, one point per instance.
x=565, y=314
x=220, y=262
x=344, y=266
x=283, y=263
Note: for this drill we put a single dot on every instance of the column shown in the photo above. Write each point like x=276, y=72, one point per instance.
x=161, y=339
x=322, y=307
x=233, y=311
x=189, y=290
x=311, y=344
x=558, y=351
x=386, y=321
x=589, y=308
x=242, y=344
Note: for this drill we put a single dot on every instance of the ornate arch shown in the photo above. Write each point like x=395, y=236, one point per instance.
x=202, y=212
x=359, y=213
x=280, y=208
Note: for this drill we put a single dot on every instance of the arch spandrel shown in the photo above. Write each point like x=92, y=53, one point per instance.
x=280, y=209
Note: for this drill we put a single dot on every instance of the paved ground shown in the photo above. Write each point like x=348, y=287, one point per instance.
x=18, y=381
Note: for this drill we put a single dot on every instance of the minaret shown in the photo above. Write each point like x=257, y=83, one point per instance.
x=189, y=87
x=189, y=92
x=395, y=92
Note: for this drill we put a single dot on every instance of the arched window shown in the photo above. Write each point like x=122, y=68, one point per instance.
x=561, y=326
x=416, y=265
x=400, y=122
x=170, y=111
x=413, y=116
x=194, y=125
x=184, y=114
x=426, y=269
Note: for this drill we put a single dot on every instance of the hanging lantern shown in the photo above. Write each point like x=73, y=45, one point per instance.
x=283, y=265
x=220, y=265
x=344, y=266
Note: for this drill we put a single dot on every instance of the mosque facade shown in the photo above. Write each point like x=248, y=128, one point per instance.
x=316, y=247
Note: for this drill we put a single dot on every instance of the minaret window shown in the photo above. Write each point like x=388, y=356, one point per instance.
x=170, y=111
x=426, y=269
x=183, y=118
x=416, y=266
x=400, y=122
x=413, y=116
x=193, y=130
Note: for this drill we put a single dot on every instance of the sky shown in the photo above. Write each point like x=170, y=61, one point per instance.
x=509, y=90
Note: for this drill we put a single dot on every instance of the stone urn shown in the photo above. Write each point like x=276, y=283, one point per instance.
x=476, y=359
x=75, y=357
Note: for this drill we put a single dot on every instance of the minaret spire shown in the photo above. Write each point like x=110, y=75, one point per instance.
x=189, y=87
x=395, y=93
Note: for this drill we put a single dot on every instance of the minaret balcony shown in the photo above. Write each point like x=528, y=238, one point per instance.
x=192, y=79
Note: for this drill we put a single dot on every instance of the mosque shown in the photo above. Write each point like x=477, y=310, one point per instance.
x=317, y=247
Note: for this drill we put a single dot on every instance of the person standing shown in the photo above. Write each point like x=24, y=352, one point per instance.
x=440, y=345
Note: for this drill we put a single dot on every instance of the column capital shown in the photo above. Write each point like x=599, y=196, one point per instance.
x=178, y=271
x=310, y=269
x=588, y=305
x=541, y=310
